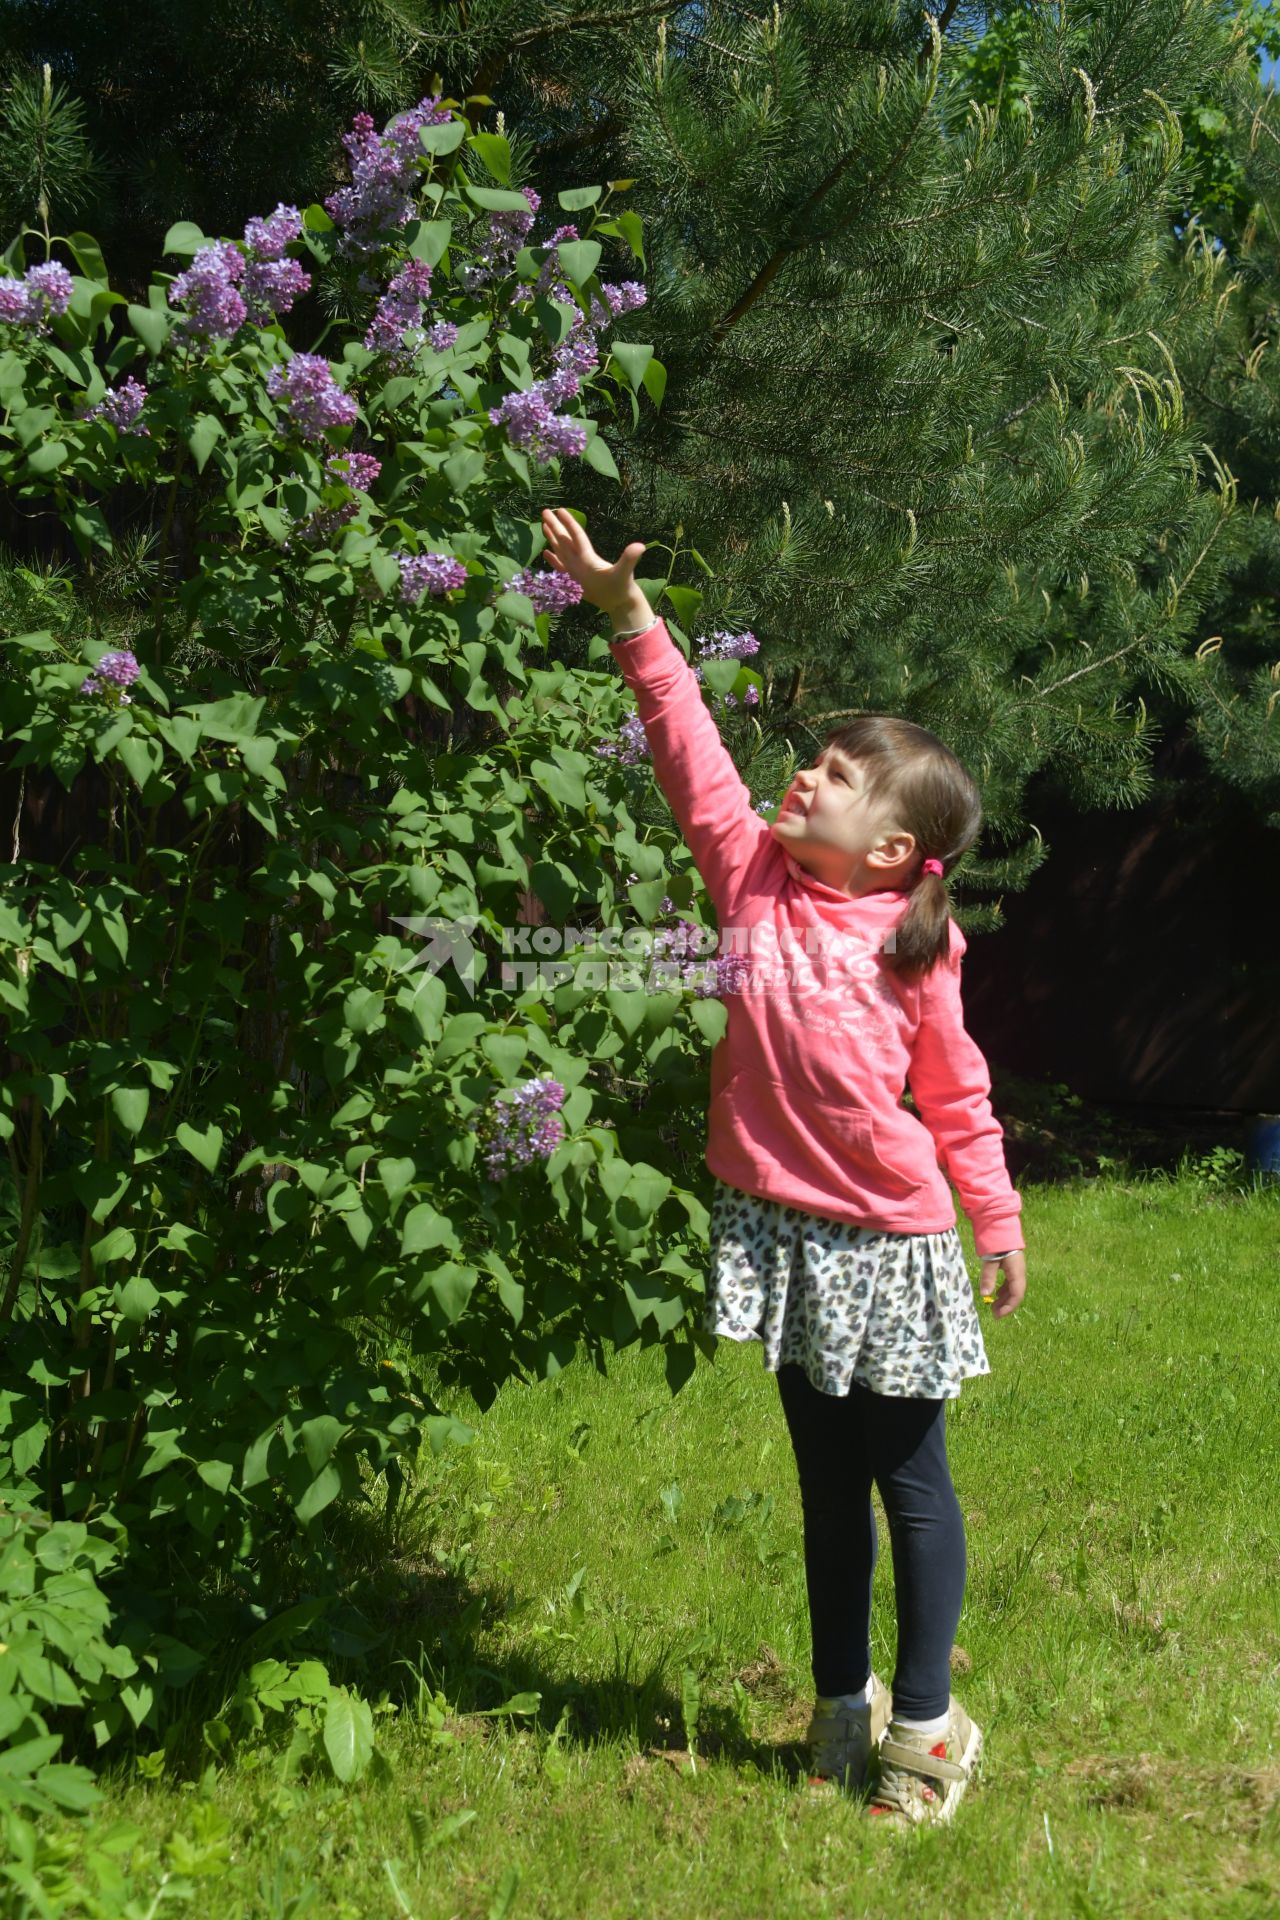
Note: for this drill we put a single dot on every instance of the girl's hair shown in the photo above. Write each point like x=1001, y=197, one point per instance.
x=936, y=800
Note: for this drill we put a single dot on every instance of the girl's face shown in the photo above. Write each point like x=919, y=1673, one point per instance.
x=831, y=827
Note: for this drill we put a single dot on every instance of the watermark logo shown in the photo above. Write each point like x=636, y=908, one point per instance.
x=760, y=959
x=447, y=940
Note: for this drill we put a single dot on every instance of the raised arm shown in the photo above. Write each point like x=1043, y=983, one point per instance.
x=693, y=767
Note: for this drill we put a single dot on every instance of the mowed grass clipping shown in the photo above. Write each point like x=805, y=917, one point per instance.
x=636, y=1562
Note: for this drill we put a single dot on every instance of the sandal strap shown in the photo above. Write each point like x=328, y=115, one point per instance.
x=932, y=1765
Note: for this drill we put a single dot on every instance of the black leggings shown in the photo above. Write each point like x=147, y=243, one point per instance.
x=842, y=1443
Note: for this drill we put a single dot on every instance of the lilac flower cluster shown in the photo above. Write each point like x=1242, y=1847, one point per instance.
x=521, y=1124
x=749, y=699
x=122, y=406
x=534, y=426
x=221, y=289
x=208, y=289
x=311, y=396
x=433, y=573
x=684, y=945
x=113, y=673
x=395, y=328
x=727, y=646
x=632, y=743
x=41, y=293
x=765, y=806
x=495, y=257
x=549, y=592
x=358, y=470
x=384, y=167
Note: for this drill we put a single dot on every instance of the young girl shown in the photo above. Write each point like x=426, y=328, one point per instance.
x=833, y=1231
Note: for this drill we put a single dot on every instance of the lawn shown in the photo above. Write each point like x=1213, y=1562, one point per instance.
x=635, y=1562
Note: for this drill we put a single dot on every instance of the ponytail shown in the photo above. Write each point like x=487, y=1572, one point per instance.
x=923, y=935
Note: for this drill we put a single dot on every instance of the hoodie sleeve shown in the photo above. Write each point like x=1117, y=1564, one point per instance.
x=951, y=1086
x=704, y=789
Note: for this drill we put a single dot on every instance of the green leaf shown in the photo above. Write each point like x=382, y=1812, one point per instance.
x=444, y=137
x=49, y=455
x=205, y=1147
x=453, y=1286
x=497, y=199
x=322, y=1492
x=630, y=227
x=711, y=1017
x=424, y=1229
x=183, y=237
x=633, y=360
x=655, y=381
x=396, y=1176
x=88, y=256
x=495, y=150
x=201, y=439
x=464, y=465
x=579, y=258
x=152, y=328
x=130, y=1104
x=428, y=240
x=597, y=455
x=137, y=1297
x=142, y=757
x=348, y=1720
x=573, y=199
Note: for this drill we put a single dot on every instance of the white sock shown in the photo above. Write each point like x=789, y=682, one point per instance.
x=939, y=1725
x=862, y=1699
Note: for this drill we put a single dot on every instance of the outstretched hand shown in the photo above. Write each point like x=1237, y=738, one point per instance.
x=569, y=551
x=1009, y=1298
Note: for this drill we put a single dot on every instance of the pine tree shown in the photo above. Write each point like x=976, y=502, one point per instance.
x=924, y=308
x=924, y=417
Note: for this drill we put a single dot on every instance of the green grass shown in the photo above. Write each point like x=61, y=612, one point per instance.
x=1119, y=1646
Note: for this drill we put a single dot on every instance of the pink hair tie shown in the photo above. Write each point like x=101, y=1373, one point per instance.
x=932, y=866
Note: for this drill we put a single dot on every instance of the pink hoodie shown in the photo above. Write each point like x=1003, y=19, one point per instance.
x=807, y=1082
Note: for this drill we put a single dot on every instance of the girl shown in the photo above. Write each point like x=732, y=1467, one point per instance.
x=833, y=1231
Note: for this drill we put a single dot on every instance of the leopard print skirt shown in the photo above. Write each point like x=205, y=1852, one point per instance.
x=894, y=1311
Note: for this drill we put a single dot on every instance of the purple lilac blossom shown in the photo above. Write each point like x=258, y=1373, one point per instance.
x=272, y=286
x=765, y=806
x=311, y=396
x=384, y=167
x=549, y=592
x=441, y=335
x=625, y=298
x=727, y=646
x=269, y=237
x=533, y=426
x=433, y=573
x=113, y=673
x=15, y=307
x=495, y=259
x=49, y=284
x=521, y=1124
x=632, y=744
x=208, y=288
x=358, y=470
x=121, y=406
x=395, y=328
